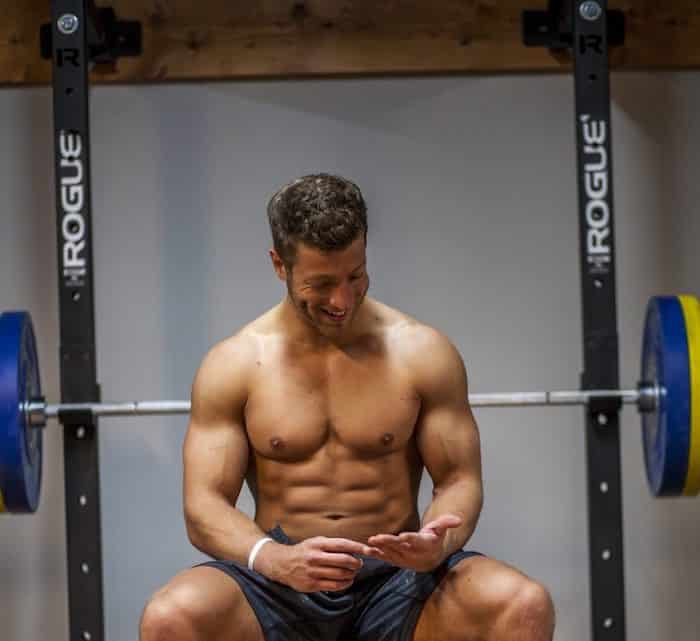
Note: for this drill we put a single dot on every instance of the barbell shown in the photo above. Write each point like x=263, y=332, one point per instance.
x=668, y=399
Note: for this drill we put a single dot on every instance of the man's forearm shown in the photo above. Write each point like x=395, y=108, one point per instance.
x=222, y=531
x=463, y=498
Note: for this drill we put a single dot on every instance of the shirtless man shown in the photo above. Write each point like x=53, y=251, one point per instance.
x=329, y=405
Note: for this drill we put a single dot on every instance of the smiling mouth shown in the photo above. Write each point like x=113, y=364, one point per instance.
x=334, y=316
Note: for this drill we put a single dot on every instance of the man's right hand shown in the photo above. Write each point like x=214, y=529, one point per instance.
x=313, y=565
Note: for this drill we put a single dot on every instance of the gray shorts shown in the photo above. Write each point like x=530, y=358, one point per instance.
x=383, y=603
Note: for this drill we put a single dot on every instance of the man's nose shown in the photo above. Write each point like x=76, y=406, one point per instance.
x=342, y=296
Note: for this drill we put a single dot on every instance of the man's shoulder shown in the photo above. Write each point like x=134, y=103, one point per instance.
x=224, y=376
x=407, y=333
x=422, y=348
x=244, y=346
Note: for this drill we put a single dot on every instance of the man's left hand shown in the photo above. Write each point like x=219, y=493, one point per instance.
x=421, y=551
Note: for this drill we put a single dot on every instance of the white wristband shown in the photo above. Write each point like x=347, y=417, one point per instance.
x=255, y=550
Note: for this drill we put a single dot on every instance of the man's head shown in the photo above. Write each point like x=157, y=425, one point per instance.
x=319, y=233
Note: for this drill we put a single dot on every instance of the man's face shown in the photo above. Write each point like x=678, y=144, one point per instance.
x=327, y=289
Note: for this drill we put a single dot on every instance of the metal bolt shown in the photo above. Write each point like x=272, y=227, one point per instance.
x=76, y=296
x=80, y=432
x=608, y=623
x=606, y=555
x=590, y=10
x=604, y=487
x=85, y=568
x=602, y=419
x=597, y=283
x=86, y=635
x=83, y=500
x=67, y=24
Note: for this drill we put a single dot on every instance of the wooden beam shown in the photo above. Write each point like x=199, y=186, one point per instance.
x=222, y=39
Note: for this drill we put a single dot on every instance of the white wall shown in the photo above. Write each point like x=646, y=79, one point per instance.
x=473, y=228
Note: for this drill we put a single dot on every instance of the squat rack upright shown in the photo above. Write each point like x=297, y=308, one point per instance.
x=80, y=35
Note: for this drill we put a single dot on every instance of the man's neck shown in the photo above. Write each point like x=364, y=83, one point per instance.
x=300, y=330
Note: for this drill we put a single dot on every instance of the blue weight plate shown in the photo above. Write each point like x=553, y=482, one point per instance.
x=666, y=430
x=20, y=445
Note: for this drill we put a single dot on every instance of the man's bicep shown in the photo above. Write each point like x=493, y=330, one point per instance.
x=215, y=451
x=215, y=460
x=449, y=445
x=447, y=433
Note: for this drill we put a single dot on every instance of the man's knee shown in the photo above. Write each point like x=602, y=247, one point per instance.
x=167, y=617
x=525, y=612
x=532, y=602
x=200, y=604
x=512, y=601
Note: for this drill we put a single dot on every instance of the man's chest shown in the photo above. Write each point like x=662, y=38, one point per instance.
x=363, y=403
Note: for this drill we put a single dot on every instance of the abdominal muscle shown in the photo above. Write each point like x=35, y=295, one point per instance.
x=336, y=494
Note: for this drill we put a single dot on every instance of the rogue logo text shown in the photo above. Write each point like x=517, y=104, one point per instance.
x=596, y=189
x=72, y=198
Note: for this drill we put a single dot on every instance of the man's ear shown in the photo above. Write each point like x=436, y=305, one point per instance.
x=278, y=264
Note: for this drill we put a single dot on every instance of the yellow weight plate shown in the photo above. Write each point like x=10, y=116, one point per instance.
x=691, y=314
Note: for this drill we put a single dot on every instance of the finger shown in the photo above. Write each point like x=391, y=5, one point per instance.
x=409, y=537
x=418, y=540
x=429, y=537
x=396, y=548
x=331, y=574
x=342, y=545
x=382, y=539
x=336, y=560
x=391, y=555
x=332, y=586
x=442, y=523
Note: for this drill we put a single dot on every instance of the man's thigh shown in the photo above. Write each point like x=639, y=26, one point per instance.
x=209, y=601
x=468, y=600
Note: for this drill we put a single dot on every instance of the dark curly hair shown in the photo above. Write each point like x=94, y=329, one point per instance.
x=323, y=211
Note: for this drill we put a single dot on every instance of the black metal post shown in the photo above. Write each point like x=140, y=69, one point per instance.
x=601, y=353
x=70, y=59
